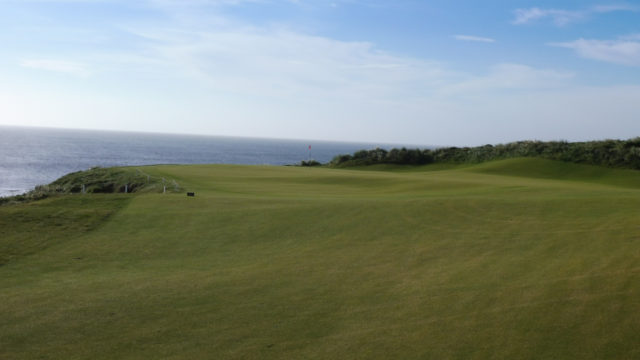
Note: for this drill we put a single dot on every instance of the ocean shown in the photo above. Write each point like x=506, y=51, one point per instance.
x=37, y=156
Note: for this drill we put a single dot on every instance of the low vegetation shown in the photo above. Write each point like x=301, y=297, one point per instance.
x=310, y=163
x=98, y=180
x=516, y=259
x=609, y=153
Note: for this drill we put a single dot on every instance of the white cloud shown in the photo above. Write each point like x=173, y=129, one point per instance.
x=624, y=51
x=473, y=38
x=559, y=17
x=282, y=63
x=510, y=77
x=562, y=17
x=67, y=67
x=615, y=7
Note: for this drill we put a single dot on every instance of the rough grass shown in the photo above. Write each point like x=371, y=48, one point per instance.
x=98, y=180
x=315, y=263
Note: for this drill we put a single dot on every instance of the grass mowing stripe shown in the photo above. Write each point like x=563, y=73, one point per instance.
x=31, y=227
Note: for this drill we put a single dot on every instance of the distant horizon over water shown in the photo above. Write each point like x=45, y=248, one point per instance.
x=31, y=156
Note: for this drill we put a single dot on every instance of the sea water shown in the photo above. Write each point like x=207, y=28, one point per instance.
x=36, y=156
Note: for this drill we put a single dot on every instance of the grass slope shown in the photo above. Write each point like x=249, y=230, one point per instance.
x=282, y=262
x=549, y=169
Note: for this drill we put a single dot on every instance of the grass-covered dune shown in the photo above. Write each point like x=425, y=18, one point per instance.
x=514, y=259
x=98, y=180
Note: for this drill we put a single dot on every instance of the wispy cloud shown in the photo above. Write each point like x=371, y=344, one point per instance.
x=509, y=76
x=624, y=50
x=283, y=63
x=61, y=66
x=473, y=38
x=614, y=7
x=561, y=17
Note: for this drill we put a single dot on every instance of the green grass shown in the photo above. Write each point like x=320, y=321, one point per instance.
x=27, y=229
x=549, y=169
x=98, y=180
x=517, y=259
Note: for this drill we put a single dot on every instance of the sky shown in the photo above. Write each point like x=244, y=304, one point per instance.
x=441, y=72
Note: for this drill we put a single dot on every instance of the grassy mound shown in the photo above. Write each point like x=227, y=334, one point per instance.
x=501, y=261
x=99, y=180
x=559, y=170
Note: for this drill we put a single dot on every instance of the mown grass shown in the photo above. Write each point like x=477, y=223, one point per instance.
x=549, y=169
x=488, y=261
x=29, y=228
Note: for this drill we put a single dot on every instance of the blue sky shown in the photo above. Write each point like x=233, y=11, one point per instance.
x=404, y=71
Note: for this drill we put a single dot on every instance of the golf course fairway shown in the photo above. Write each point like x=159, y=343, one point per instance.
x=512, y=259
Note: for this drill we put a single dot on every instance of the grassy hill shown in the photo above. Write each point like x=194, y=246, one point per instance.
x=521, y=258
